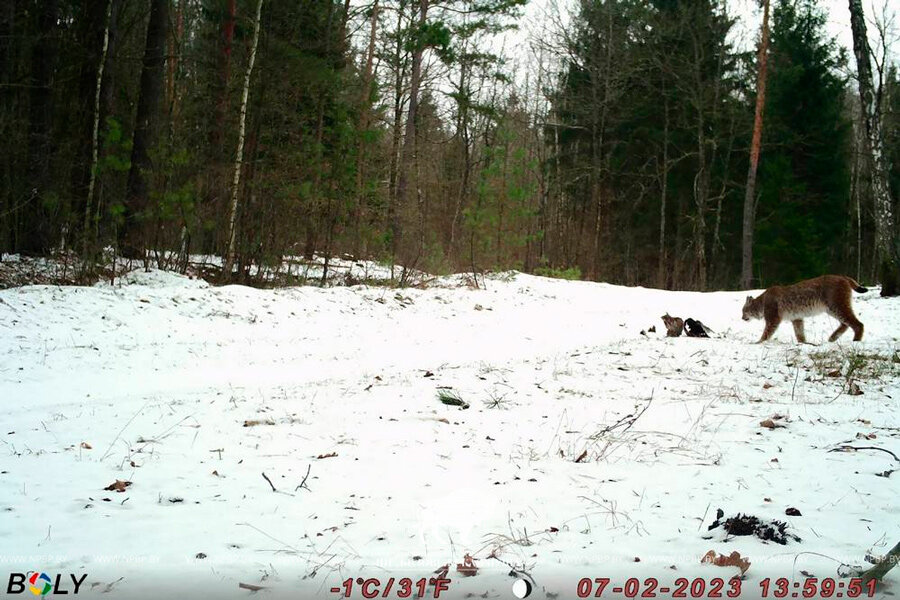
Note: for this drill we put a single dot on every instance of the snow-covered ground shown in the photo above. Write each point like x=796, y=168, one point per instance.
x=192, y=393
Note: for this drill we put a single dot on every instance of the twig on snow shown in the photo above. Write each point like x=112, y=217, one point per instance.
x=255, y=528
x=702, y=519
x=115, y=439
x=303, y=483
x=628, y=421
x=270, y=482
x=844, y=448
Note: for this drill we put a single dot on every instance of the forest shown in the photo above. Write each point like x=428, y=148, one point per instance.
x=634, y=142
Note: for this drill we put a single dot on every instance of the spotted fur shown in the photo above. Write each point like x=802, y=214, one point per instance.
x=829, y=294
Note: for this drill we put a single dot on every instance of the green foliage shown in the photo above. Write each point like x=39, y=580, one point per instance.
x=571, y=274
x=498, y=219
x=451, y=397
x=114, y=161
x=116, y=156
x=648, y=87
x=435, y=260
x=852, y=363
x=435, y=35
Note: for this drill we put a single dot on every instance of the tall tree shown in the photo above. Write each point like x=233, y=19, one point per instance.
x=239, y=155
x=407, y=153
x=437, y=32
x=147, y=129
x=805, y=180
x=40, y=120
x=364, y=117
x=750, y=192
x=95, y=136
x=885, y=234
x=652, y=113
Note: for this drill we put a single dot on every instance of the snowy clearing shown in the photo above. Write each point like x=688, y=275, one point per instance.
x=193, y=392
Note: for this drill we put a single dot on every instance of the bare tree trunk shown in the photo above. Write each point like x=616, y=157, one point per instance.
x=8, y=14
x=315, y=211
x=598, y=149
x=393, y=222
x=678, y=268
x=95, y=145
x=877, y=162
x=717, y=241
x=363, y=124
x=562, y=202
x=462, y=130
x=239, y=159
x=501, y=206
x=540, y=143
x=856, y=198
x=750, y=190
x=175, y=45
x=225, y=74
x=701, y=179
x=661, y=267
x=146, y=130
x=108, y=105
x=36, y=238
x=407, y=155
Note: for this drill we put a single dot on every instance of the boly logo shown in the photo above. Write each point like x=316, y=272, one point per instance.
x=42, y=584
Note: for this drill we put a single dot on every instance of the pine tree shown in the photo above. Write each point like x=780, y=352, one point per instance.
x=749, y=220
x=645, y=107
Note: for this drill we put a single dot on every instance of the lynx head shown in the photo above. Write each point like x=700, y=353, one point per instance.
x=750, y=310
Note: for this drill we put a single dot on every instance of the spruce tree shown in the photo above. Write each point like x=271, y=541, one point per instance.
x=805, y=177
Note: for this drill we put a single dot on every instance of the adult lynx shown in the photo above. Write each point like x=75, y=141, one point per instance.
x=826, y=294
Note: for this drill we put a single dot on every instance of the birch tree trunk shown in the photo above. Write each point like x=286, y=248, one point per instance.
x=86, y=242
x=874, y=150
x=750, y=190
x=239, y=159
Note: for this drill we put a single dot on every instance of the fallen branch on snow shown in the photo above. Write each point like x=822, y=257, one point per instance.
x=888, y=562
x=251, y=587
x=846, y=448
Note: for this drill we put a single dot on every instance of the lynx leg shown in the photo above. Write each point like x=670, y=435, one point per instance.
x=848, y=320
x=798, y=330
x=838, y=332
x=857, y=327
x=771, y=326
